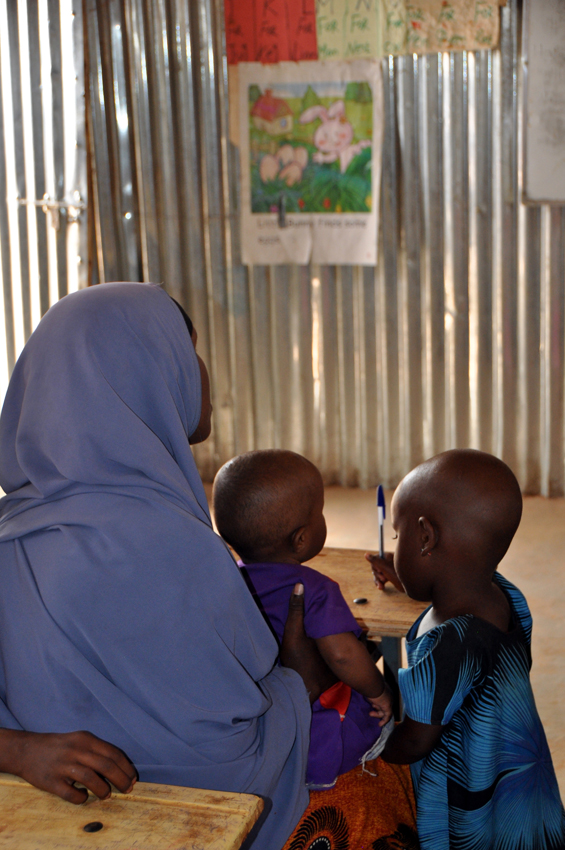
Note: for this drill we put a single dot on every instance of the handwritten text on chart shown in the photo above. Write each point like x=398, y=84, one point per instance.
x=348, y=29
x=270, y=31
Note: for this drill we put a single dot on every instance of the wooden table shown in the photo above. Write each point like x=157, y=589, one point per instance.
x=152, y=817
x=387, y=614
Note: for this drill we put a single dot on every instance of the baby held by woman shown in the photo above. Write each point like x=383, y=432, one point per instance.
x=268, y=506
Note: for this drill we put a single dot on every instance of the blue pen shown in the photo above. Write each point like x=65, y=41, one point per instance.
x=381, y=512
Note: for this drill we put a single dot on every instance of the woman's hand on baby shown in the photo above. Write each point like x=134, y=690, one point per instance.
x=382, y=706
x=54, y=762
x=383, y=570
x=300, y=653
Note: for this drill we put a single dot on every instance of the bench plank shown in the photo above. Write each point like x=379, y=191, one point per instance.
x=152, y=817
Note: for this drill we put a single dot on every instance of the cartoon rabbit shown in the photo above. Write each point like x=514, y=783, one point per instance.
x=334, y=135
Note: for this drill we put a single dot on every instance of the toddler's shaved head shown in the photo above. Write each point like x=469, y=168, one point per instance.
x=472, y=496
x=260, y=498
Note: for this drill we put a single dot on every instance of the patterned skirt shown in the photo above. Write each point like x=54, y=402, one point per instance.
x=371, y=809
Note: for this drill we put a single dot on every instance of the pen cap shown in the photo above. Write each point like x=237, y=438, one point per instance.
x=381, y=500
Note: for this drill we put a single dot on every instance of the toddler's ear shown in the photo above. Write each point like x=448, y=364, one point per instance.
x=299, y=540
x=428, y=536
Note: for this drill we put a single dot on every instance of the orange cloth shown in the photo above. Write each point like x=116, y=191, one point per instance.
x=338, y=697
x=361, y=812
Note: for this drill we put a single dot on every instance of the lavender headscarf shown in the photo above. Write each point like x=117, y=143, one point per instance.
x=121, y=611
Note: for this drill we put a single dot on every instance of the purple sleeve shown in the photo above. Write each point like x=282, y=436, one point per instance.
x=326, y=611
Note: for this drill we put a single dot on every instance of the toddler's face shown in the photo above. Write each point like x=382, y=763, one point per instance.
x=410, y=566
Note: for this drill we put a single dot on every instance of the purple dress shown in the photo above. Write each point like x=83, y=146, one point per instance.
x=336, y=744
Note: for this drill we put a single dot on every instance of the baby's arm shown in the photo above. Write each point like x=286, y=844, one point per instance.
x=411, y=741
x=349, y=660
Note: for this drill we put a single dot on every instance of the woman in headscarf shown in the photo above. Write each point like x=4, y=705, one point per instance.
x=121, y=611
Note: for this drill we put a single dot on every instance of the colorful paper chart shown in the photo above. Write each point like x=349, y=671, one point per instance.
x=349, y=29
x=270, y=31
x=431, y=26
x=369, y=29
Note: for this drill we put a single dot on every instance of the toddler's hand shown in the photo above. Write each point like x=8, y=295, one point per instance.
x=382, y=706
x=383, y=570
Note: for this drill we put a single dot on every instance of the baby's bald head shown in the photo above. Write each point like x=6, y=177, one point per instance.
x=260, y=498
x=471, y=498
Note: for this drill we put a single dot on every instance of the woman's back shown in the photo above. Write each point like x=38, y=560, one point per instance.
x=121, y=611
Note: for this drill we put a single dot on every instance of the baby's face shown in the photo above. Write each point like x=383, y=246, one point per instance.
x=317, y=530
x=410, y=566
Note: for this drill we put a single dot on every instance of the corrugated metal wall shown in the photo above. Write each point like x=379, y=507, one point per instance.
x=43, y=235
x=455, y=339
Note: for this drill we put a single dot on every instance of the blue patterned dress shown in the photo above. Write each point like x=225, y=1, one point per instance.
x=489, y=784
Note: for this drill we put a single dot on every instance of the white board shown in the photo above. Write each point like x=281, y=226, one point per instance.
x=544, y=101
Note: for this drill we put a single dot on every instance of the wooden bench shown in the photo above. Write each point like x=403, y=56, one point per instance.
x=152, y=817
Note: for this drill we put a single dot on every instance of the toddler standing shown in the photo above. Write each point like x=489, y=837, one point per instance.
x=480, y=763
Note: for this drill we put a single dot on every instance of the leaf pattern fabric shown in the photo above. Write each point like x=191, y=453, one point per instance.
x=490, y=782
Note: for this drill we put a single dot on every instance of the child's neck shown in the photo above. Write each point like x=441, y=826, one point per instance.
x=480, y=598
x=273, y=559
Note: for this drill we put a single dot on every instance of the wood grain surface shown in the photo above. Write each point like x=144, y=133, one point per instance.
x=387, y=613
x=152, y=817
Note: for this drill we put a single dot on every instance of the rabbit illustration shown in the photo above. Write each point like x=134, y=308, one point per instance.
x=334, y=135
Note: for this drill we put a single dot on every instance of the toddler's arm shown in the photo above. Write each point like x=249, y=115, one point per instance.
x=352, y=664
x=411, y=741
x=383, y=570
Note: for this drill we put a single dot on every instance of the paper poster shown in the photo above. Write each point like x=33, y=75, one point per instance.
x=310, y=143
x=350, y=29
x=270, y=30
x=431, y=26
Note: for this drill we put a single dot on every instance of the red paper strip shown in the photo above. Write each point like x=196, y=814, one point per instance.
x=270, y=31
x=240, y=30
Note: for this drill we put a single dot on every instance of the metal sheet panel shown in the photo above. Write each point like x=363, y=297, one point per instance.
x=455, y=339
x=43, y=253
